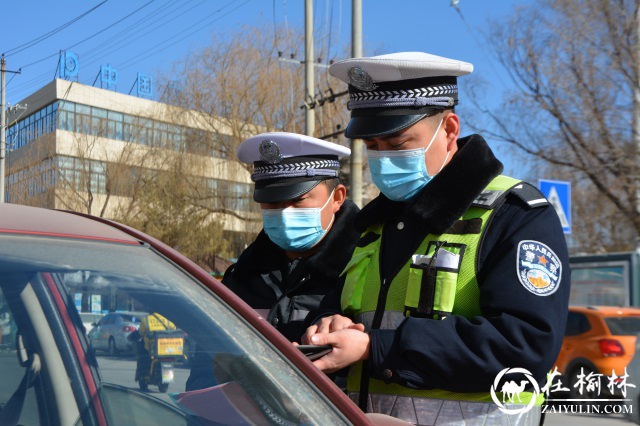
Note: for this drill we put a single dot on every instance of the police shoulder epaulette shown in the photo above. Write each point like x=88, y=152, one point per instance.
x=488, y=199
x=529, y=194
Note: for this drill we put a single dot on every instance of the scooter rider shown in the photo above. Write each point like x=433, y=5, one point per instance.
x=148, y=326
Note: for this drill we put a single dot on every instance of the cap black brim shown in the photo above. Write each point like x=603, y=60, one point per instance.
x=380, y=125
x=283, y=190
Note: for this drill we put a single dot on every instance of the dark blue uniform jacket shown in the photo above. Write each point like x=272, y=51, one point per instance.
x=292, y=290
x=518, y=328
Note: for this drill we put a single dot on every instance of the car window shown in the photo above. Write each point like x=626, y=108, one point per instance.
x=130, y=318
x=577, y=323
x=87, y=317
x=623, y=326
x=11, y=372
x=198, y=357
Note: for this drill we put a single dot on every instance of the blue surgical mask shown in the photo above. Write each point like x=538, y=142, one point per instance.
x=401, y=174
x=295, y=229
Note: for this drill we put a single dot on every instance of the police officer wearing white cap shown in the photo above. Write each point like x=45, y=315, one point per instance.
x=461, y=274
x=308, y=232
x=307, y=237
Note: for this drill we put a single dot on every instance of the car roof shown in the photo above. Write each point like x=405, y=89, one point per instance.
x=607, y=310
x=18, y=219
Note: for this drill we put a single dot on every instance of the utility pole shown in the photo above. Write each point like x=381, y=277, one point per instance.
x=310, y=116
x=3, y=122
x=636, y=119
x=3, y=125
x=356, y=144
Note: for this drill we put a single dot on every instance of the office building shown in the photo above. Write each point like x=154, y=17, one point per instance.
x=92, y=150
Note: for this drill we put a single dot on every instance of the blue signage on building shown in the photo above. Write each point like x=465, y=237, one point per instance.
x=69, y=65
x=145, y=85
x=559, y=195
x=108, y=75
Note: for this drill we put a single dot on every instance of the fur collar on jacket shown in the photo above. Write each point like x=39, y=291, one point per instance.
x=447, y=196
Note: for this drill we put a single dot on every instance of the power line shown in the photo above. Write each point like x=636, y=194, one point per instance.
x=481, y=46
x=138, y=59
x=159, y=15
x=277, y=46
x=330, y=31
x=288, y=35
x=46, y=76
x=137, y=25
x=326, y=75
x=115, y=46
x=50, y=33
x=91, y=36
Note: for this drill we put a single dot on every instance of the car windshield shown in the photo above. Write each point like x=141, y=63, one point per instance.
x=90, y=317
x=212, y=366
x=623, y=326
x=131, y=317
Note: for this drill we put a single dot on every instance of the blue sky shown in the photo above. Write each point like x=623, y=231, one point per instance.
x=148, y=36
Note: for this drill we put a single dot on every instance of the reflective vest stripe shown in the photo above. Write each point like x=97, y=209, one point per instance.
x=424, y=411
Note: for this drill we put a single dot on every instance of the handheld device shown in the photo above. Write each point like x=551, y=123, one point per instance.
x=315, y=351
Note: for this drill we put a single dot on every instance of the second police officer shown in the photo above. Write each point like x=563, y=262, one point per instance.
x=307, y=236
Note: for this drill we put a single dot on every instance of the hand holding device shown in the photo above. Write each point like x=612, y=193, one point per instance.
x=315, y=351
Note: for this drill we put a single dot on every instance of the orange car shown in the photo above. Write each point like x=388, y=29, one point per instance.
x=598, y=340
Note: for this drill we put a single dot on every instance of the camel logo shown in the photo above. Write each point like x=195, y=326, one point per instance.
x=512, y=390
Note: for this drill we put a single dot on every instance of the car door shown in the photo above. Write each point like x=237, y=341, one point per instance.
x=104, y=331
x=114, y=326
x=247, y=379
x=94, y=334
x=575, y=344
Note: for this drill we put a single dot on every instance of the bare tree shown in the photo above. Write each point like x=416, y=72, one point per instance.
x=94, y=172
x=237, y=86
x=575, y=64
x=164, y=209
x=243, y=86
x=31, y=173
x=79, y=172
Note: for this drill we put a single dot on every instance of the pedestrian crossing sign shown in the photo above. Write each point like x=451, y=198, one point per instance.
x=559, y=195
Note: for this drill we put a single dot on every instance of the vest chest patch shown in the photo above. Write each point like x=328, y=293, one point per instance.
x=538, y=267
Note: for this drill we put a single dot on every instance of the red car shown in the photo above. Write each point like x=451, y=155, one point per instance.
x=55, y=265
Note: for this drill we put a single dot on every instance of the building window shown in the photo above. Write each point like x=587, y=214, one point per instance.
x=27, y=183
x=34, y=126
x=80, y=174
x=79, y=118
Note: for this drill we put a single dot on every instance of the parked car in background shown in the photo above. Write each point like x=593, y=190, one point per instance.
x=111, y=333
x=50, y=258
x=89, y=319
x=599, y=340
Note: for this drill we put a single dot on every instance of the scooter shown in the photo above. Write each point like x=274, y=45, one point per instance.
x=155, y=367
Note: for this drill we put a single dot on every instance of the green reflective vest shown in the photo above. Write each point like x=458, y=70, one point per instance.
x=439, y=280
